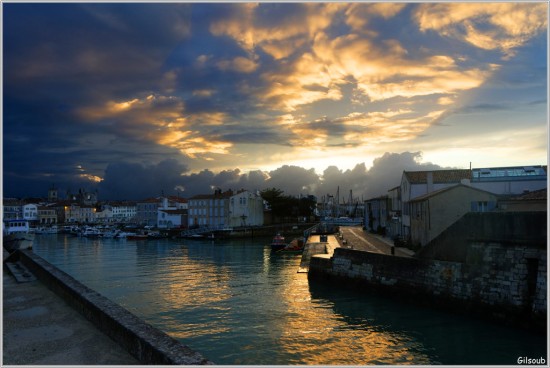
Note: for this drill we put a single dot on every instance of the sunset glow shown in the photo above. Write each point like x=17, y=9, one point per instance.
x=220, y=87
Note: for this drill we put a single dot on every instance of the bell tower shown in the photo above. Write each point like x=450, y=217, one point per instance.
x=52, y=194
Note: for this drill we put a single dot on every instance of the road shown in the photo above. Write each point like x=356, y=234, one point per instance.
x=359, y=239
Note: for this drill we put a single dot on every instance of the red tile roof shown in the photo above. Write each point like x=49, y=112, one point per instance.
x=439, y=176
x=534, y=195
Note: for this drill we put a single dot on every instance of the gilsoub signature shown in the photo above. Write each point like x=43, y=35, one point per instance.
x=526, y=360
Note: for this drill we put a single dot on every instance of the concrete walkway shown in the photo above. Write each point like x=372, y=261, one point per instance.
x=359, y=239
x=39, y=328
x=314, y=247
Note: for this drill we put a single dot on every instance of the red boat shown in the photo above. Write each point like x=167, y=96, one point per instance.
x=278, y=242
x=295, y=246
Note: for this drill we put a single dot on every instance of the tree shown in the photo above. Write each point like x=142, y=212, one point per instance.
x=286, y=208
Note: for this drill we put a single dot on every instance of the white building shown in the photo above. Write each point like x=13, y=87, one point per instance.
x=171, y=218
x=30, y=212
x=104, y=216
x=77, y=214
x=124, y=212
x=510, y=180
x=246, y=209
x=172, y=213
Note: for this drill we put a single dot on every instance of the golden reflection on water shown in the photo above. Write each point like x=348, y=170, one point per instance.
x=181, y=292
x=320, y=336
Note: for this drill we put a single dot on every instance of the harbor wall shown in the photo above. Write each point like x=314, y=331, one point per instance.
x=143, y=341
x=502, y=281
x=519, y=228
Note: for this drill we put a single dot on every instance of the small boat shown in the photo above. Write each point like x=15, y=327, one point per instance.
x=16, y=234
x=90, y=232
x=278, y=242
x=154, y=235
x=295, y=246
x=47, y=230
x=111, y=233
x=123, y=235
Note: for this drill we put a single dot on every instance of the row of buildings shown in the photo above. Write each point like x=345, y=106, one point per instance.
x=217, y=210
x=423, y=205
x=426, y=203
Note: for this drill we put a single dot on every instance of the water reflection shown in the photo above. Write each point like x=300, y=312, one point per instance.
x=237, y=303
x=422, y=335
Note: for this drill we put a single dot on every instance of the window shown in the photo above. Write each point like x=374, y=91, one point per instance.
x=482, y=206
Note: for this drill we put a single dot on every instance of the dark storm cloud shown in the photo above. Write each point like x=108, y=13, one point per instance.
x=262, y=135
x=92, y=49
x=136, y=181
x=88, y=86
x=59, y=58
x=293, y=180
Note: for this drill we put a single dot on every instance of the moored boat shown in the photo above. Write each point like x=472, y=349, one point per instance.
x=295, y=246
x=90, y=232
x=16, y=234
x=122, y=235
x=47, y=230
x=278, y=242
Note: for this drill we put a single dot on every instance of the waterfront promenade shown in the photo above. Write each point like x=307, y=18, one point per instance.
x=359, y=239
x=353, y=237
x=40, y=328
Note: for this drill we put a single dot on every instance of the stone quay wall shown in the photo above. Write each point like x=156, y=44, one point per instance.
x=145, y=342
x=502, y=282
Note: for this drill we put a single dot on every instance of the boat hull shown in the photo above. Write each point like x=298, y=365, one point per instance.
x=15, y=241
x=277, y=247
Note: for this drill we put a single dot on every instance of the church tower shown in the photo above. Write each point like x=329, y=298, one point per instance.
x=52, y=194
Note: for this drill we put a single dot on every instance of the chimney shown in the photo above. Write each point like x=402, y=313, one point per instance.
x=430, y=181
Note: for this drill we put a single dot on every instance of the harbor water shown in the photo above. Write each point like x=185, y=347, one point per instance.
x=237, y=303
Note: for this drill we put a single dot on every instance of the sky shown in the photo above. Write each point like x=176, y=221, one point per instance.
x=138, y=99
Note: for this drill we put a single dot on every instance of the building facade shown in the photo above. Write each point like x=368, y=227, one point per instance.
x=171, y=218
x=432, y=213
x=510, y=180
x=12, y=209
x=209, y=210
x=147, y=211
x=79, y=214
x=246, y=209
x=376, y=215
x=30, y=212
x=47, y=215
x=418, y=183
x=124, y=211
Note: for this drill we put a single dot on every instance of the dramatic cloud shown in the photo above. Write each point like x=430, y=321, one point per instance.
x=511, y=24
x=171, y=177
x=252, y=94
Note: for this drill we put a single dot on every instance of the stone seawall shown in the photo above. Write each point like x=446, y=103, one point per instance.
x=143, y=341
x=502, y=282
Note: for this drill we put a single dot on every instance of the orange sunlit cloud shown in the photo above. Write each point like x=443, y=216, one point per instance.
x=515, y=23
x=161, y=119
x=226, y=86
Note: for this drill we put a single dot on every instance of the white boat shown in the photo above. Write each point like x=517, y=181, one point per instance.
x=123, y=235
x=90, y=232
x=111, y=233
x=47, y=230
x=17, y=235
